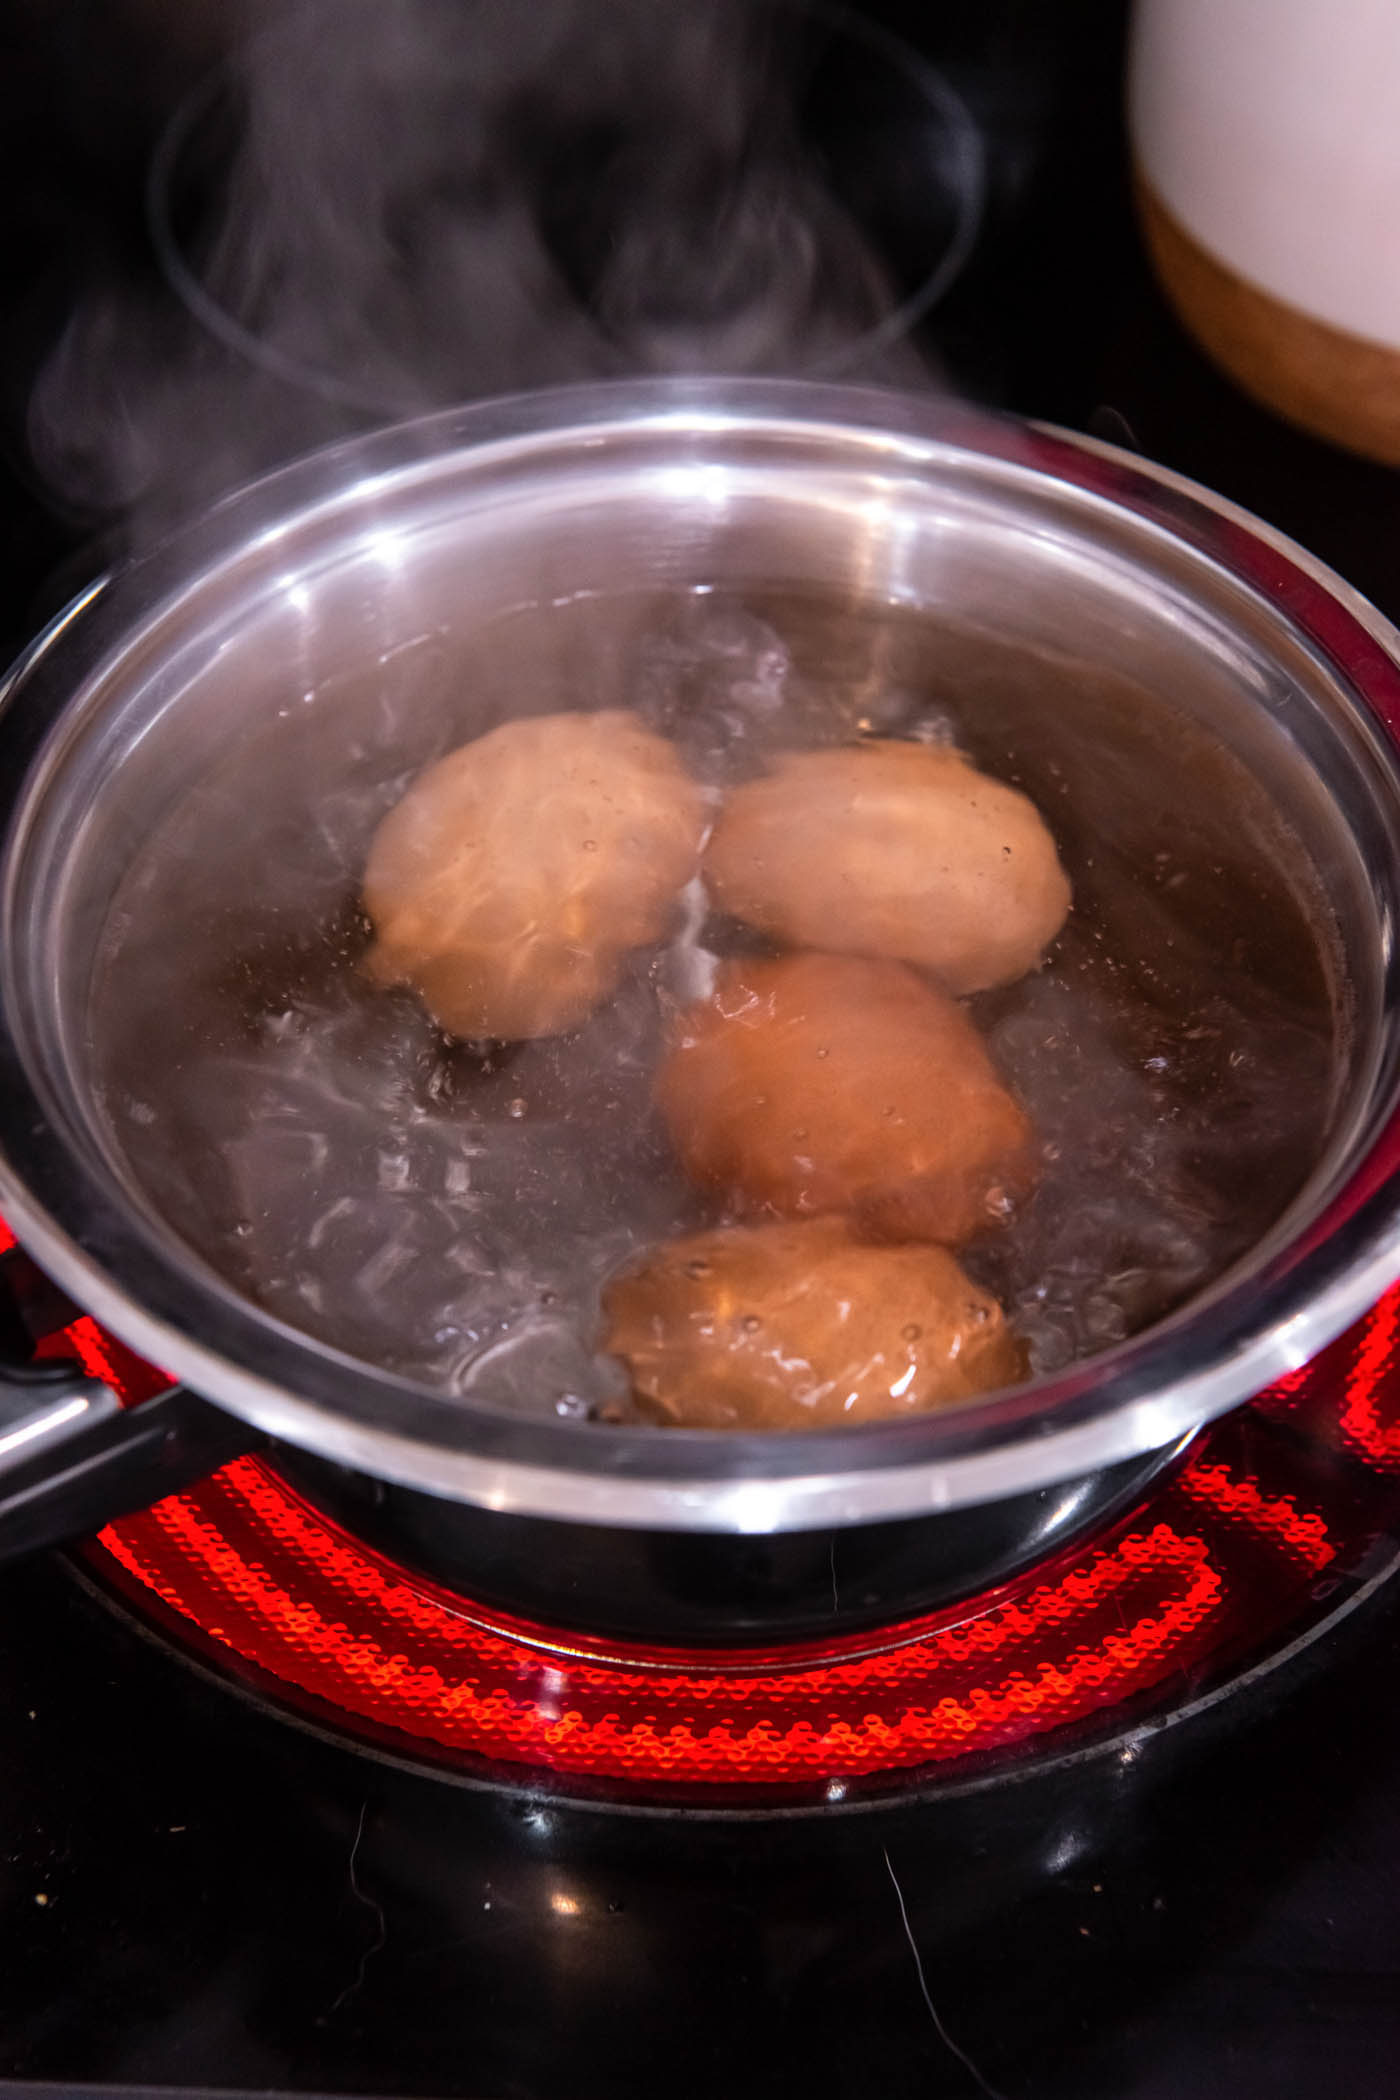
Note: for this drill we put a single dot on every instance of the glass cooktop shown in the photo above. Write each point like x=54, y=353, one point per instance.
x=198, y=1892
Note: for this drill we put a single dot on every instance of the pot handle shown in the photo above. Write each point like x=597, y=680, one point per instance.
x=72, y=1457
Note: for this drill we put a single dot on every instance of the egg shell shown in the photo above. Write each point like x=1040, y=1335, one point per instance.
x=892, y=849
x=814, y=1083
x=511, y=881
x=801, y=1325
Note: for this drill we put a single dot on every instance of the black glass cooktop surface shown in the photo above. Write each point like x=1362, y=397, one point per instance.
x=195, y=1893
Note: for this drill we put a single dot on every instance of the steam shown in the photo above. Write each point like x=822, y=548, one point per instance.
x=427, y=201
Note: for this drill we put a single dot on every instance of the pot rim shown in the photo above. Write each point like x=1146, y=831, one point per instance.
x=1268, y=1315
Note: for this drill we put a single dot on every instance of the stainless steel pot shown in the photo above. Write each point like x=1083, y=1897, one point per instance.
x=138, y=687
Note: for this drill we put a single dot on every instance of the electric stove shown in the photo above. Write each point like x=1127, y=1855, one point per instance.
x=280, y=1812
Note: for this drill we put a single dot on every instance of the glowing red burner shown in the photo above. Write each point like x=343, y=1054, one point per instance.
x=257, y=1575
x=1304, y=1535
x=103, y=1356
x=1224, y=1558
x=1350, y=1394
x=286, y=1590
x=1370, y=1416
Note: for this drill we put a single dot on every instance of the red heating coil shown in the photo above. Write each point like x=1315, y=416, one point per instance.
x=1350, y=1391
x=259, y=1577
x=103, y=1356
x=1370, y=1418
x=279, y=1585
x=1275, y=1517
x=269, y=1580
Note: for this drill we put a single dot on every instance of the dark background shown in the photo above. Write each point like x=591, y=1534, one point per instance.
x=193, y=1893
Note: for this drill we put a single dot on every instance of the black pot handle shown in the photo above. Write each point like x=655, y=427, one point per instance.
x=71, y=1456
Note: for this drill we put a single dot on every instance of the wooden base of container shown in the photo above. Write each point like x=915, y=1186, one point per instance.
x=1335, y=385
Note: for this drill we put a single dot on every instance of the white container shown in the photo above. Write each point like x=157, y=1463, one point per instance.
x=1266, y=135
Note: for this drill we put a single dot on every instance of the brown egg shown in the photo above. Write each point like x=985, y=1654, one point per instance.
x=509, y=883
x=827, y=1083
x=897, y=850
x=801, y=1326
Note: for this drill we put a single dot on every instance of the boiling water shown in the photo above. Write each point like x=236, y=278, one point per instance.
x=450, y=1210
